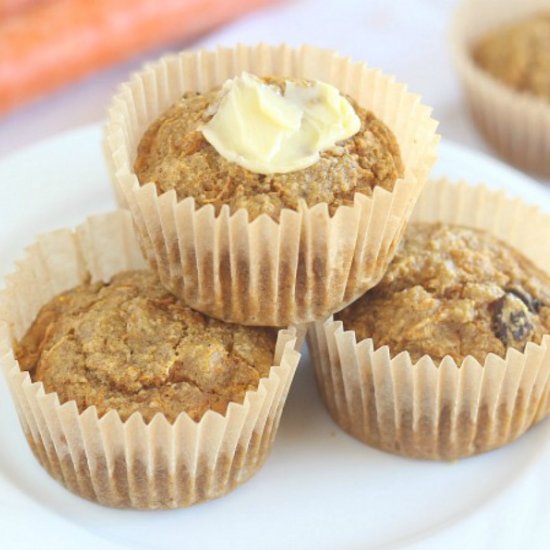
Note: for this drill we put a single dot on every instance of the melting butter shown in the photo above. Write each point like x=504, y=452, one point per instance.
x=267, y=131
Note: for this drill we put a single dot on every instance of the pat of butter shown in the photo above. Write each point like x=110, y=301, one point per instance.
x=268, y=132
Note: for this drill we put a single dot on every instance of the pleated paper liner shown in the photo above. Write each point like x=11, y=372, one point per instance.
x=441, y=410
x=308, y=264
x=516, y=124
x=129, y=464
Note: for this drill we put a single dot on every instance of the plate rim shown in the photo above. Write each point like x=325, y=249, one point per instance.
x=447, y=147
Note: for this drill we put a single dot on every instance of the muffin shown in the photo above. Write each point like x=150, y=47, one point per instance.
x=127, y=396
x=130, y=345
x=518, y=55
x=447, y=356
x=453, y=291
x=330, y=226
x=501, y=54
x=174, y=154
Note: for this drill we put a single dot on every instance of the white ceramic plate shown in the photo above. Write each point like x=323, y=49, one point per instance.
x=320, y=488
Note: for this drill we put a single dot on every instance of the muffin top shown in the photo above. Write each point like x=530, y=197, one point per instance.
x=130, y=345
x=452, y=290
x=519, y=55
x=174, y=154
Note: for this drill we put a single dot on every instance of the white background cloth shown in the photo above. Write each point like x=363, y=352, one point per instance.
x=407, y=38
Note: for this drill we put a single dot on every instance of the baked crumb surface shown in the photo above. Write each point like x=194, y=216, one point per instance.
x=130, y=345
x=174, y=155
x=452, y=290
x=519, y=55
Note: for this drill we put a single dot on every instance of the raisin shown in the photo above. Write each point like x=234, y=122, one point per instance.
x=533, y=304
x=511, y=322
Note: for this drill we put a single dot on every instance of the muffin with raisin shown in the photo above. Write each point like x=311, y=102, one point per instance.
x=447, y=355
x=453, y=291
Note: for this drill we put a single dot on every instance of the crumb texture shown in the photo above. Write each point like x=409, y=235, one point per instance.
x=130, y=345
x=456, y=291
x=519, y=55
x=173, y=154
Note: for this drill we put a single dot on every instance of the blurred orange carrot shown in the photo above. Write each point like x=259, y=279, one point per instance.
x=57, y=42
x=8, y=7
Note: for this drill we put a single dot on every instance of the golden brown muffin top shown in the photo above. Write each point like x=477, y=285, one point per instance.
x=452, y=290
x=519, y=55
x=130, y=345
x=174, y=155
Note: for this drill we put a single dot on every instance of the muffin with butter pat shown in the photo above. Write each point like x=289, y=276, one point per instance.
x=268, y=144
x=255, y=196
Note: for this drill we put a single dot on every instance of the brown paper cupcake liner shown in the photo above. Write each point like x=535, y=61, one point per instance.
x=308, y=264
x=131, y=463
x=440, y=410
x=516, y=124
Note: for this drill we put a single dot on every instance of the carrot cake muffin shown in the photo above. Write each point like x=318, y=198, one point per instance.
x=251, y=177
x=175, y=153
x=518, y=55
x=452, y=290
x=130, y=345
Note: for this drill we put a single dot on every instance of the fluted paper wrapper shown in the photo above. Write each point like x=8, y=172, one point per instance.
x=441, y=410
x=131, y=463
x=516, y=124
x=308, y=264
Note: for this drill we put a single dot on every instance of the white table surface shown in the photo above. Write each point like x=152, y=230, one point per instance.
x=407, y=38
